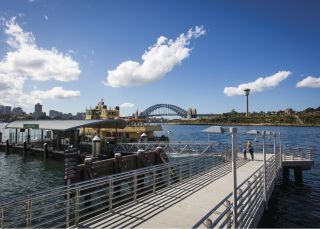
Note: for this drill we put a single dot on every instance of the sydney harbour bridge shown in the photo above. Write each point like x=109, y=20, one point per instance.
x=168, y=110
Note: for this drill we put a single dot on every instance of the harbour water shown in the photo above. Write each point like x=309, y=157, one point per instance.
x=290, y=206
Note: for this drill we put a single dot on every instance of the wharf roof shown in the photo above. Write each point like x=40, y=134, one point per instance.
x=63, y=125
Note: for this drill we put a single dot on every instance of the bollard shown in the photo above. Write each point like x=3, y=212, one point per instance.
x=118, y=162
x=45, y=151
x=140, y=159
x=96, y=146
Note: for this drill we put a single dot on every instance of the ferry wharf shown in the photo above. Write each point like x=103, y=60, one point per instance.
x=202, y=191
x=65, y=133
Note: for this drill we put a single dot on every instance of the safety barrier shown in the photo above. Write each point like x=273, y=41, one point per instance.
x=252, y=194
x=68, y=205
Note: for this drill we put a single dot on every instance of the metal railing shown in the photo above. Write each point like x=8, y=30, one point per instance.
x=297, y=154
x=68, y=205
x=180, y=147
x=250, y=197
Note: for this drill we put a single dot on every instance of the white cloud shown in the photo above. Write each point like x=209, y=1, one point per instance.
x=31, y=1
x=46, y=17
x=11, y=88
x=310, y=81
x=39, y=95
x=27, y=61
x=259, y=84
x=158, y=60
x=127, y=105
x=55, y=92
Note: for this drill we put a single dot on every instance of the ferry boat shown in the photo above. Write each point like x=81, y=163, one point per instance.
x=137, y=128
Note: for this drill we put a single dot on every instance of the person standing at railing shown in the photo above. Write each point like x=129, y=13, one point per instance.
x=250, y=149
x=244, y=151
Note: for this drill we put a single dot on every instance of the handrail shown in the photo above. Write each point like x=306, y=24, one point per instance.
x=71, y=204
x=297, y=153
x=212, y=211
x=248, y=198
x=178, y=147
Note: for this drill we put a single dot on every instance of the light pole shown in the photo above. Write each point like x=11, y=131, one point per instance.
x=233, y=132
x=280, y=149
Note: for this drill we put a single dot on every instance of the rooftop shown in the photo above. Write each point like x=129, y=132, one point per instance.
x=64, y=125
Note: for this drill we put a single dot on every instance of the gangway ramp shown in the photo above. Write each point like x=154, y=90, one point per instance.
x=180, y=205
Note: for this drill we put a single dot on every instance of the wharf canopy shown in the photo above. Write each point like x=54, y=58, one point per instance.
x=65, y=125
x=65, y=132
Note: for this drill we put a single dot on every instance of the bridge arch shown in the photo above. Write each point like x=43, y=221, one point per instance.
x=164, y=110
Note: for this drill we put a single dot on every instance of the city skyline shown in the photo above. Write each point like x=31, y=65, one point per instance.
x=137, y=54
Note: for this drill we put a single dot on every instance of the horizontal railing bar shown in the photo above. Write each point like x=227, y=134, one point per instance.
x=228, y=219
x=253, y=203
x=89, y=213
x=105, y=198
x=222, y=214
x=94, y=205
x=49, y=221
x=41, y=216
x=211, y=211
x=53, y=205
x=254, y=210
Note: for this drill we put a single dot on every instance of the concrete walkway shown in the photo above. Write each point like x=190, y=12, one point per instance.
x=181, y=205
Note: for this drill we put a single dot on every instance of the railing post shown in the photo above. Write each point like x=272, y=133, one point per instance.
x=154, y=181
x=180, y=172
x=77, y=206
x=229, y=214
x=169, y=175
x=233, y=132
x=310, y=154
x=281, y=156
x=190, y=168
x=29, y=213
x=264, y=170
x=280, y=150
x=135, y=184
x=110, y=193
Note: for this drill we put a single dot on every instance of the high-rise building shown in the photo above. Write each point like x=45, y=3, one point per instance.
x=37, y=111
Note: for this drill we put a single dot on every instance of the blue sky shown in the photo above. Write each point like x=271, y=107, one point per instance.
x=242, y=42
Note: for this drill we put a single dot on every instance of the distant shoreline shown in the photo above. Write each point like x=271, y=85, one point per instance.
x=242, y=124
